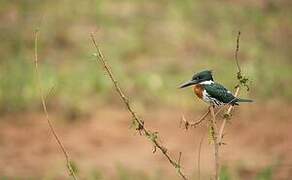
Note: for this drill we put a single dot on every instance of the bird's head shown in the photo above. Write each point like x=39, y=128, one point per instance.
x=203, y=76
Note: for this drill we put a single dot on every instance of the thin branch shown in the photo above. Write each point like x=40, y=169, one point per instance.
x=216, y=144
x=196, y=123
x=44, y=105
x=216, y=135
x=241, y=81
x=225, y=105
x=140, y=123
x=236, y=54
x=226, y=117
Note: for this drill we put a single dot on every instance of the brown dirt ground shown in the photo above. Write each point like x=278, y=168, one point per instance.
x=257, y=137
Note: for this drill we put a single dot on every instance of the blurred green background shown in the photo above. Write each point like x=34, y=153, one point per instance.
x=152, y=45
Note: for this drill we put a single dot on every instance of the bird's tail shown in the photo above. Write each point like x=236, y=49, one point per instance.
x=244, y=100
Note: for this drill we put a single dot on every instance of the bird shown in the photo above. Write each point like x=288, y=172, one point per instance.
x=211, y=92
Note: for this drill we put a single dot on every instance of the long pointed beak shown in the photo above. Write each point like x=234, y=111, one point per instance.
x=188, y=83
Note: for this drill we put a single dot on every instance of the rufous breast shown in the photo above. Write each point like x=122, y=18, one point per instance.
x=198, y=89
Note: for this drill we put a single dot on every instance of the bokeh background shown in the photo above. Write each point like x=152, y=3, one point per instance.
x=152, y=46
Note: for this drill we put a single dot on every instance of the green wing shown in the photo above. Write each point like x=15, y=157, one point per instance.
x=220, y=93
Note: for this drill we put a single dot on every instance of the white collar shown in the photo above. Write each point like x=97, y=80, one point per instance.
x=207, y=82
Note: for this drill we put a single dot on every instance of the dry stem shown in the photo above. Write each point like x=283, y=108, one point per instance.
x=196, y=123
x=141, y=128
x=226, y=117
x=236, y=53
x=241, y=81
x=44, y=105
x=218, y=136
x=215, y=141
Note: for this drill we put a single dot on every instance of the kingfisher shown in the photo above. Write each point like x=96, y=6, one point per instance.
x=211, y=92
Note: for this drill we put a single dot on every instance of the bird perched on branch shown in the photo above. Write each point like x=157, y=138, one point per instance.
x=211, y=92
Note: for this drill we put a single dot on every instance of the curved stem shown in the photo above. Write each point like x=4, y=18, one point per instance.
x=44, y=105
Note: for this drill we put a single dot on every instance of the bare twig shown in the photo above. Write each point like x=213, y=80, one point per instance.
x=226, y=117
x=44, y=105
x=225, y=105
x=215, y=142
x=188, y=124
x=236, y=53
x=140, y=123
x=216, y=135
x=241, y=81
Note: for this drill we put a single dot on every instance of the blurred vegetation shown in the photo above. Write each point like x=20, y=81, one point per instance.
x=263, y=174
x=225, y=174
x=152, y=45
x=124, y=173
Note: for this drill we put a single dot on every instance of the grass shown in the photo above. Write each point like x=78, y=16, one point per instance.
x=122, y=172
